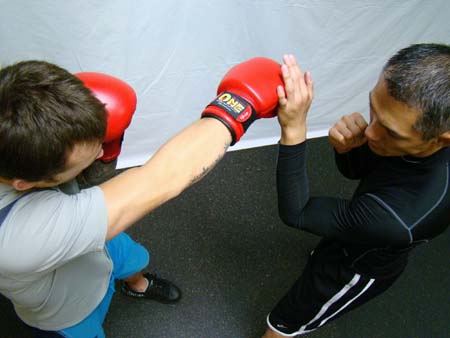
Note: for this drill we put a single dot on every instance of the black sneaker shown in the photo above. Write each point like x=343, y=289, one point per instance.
x=160, y=290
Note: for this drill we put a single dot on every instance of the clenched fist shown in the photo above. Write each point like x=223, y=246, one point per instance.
x=348, y=133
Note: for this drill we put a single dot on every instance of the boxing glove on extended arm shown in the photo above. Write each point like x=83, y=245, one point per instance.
x=120, y=103
x=246, y=93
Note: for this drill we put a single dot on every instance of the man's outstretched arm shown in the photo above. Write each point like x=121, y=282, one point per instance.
x=182, y=161
x=246, y=93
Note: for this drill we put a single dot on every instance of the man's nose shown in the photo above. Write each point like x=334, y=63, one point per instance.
x=373, y=131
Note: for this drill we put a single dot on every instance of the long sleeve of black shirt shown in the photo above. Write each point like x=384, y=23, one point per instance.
x=399, y=202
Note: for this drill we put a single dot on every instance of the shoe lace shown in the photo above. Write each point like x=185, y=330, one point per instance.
x=157, y=284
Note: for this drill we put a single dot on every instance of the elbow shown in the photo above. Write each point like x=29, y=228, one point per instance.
x=292, y=220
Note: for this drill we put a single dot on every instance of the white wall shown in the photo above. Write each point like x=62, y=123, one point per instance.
x=174, y=53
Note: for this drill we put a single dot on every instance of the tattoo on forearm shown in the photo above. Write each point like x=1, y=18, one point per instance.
x=207, y=169
x=204, y=172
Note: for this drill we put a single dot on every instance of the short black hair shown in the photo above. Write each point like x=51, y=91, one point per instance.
x=419, y=76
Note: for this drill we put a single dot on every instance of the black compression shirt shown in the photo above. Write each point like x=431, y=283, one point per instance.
x=400, y=202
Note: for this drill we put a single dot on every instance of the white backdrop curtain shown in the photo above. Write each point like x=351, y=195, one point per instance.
x=174, y=53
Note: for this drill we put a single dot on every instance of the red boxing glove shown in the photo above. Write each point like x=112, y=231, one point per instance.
x=120, y=103
x=246, y=93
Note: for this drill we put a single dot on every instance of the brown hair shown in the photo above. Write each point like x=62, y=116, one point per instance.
x=44, y=112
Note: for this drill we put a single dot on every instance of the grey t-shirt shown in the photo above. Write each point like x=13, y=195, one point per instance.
x=53, y=263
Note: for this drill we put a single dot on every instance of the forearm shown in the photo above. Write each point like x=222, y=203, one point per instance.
x=182, y=161
x=292, y=183
x=297, y=209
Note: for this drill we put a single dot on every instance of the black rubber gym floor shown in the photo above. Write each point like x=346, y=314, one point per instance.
x=222, y=242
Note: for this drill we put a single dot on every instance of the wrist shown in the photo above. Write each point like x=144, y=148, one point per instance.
x=292, y=136
x=235, y=112
x=218, y=128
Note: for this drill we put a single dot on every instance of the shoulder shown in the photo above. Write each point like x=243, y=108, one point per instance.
x=48, y=227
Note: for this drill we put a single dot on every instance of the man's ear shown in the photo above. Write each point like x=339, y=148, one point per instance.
x=21, y=185
x=445, y=139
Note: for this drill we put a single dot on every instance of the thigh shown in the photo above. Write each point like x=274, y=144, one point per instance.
x=326, y=289
x=127, y=255
x=128, y=258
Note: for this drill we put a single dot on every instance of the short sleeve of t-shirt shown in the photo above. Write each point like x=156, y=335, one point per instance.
x=47, y=228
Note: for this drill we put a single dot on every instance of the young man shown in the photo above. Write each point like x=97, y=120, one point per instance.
x=403, y=199
x=61, y=248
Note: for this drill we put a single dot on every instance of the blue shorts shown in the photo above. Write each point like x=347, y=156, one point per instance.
x=128, y=258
